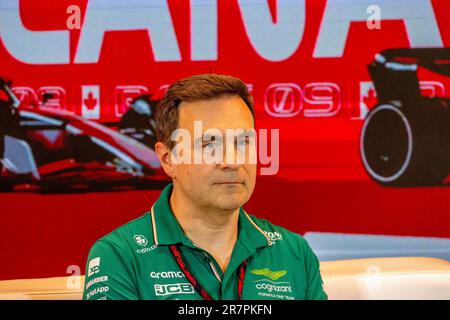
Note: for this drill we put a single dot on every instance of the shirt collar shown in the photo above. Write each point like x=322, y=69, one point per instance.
x=167, y=230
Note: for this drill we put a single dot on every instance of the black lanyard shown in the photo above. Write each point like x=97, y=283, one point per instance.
x=195, y=283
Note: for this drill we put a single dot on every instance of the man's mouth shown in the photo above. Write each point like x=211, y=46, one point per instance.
x=231, y=182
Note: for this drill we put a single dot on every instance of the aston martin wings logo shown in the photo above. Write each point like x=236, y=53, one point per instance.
x=273, y=275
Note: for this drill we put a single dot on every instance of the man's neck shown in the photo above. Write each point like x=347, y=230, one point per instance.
x=212, y=230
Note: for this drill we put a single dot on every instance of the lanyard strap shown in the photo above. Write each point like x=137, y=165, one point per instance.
x=197, y=286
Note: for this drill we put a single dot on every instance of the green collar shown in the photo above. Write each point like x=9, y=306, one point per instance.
x=167, y=230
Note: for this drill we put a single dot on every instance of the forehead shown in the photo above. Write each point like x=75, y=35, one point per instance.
x=221, y=113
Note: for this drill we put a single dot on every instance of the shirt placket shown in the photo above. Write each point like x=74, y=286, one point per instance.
x=201, y=268
x=229, y=287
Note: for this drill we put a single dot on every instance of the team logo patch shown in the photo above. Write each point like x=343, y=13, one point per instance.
x=273, y=275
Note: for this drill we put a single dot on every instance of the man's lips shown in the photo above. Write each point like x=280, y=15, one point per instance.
x=229, y=182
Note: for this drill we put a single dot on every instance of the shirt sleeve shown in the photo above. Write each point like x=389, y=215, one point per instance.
x=109, y=275
x=315, y=290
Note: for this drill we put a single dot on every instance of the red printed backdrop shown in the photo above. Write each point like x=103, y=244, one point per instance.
x=308, y=75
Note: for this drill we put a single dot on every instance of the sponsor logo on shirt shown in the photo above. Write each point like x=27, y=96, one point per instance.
x=140, y=240
x=94, y=266
x=96, y=280
x=176, y=288
x=273, y=275
x=278, y=290
x=142, y=251
x=96, y=291
x=274, y=236
x=273, y=286
x=166, y=274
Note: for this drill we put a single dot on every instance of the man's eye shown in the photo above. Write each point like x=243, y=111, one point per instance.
x=244, y=142
x=210, y=144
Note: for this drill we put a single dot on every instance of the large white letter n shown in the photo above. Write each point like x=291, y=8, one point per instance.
x=274, y=41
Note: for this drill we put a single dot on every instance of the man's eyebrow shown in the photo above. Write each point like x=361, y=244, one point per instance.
x=207, y=136
x=247, y=133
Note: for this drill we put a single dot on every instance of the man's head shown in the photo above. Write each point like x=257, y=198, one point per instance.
x=220, y=103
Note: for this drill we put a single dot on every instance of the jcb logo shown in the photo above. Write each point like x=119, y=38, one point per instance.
x=177, y=288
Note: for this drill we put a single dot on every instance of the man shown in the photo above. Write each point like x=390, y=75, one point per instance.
x=197, y=242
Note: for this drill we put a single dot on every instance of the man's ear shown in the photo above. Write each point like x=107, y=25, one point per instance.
x=165, y=157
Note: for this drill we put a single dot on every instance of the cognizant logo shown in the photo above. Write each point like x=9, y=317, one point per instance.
x=273, y=286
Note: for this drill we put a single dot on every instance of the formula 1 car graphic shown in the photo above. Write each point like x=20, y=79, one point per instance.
x=55, y=151
x=139, y=121
x=405, y=140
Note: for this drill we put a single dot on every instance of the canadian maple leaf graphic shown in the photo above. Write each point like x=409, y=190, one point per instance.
x=371, y=98
x=90, y=102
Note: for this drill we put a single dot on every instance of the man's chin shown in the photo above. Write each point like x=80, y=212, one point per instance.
x=230, y=202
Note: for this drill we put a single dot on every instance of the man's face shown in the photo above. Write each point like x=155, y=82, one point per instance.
x=226, y=185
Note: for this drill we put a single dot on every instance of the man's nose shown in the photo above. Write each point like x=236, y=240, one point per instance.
x=230, y=166
x=231, y=158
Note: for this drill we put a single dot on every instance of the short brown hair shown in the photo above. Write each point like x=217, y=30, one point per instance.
x=195, y=88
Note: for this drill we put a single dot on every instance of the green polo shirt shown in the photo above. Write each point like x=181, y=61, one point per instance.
x=135, y=262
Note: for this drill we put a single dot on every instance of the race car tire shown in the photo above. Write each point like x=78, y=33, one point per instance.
x=406, y=146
